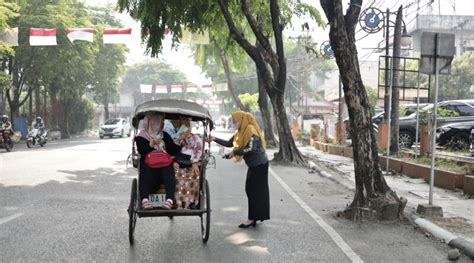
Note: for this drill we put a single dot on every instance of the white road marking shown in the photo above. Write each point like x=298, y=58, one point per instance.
x=10, y=218
x=329, y=230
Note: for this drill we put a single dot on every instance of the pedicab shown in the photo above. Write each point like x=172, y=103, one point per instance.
x=173, y=109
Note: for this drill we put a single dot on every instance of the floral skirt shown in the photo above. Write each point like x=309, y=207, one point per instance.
x=187, y=188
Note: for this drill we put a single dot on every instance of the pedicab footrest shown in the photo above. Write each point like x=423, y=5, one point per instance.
x=156, y=212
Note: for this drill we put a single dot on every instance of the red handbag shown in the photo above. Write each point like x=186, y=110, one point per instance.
x=158, y=159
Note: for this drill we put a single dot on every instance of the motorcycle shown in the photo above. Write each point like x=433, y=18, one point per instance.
x=34, y=137
x=5, y=140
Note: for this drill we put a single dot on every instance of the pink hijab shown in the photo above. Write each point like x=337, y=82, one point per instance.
x=152, y=125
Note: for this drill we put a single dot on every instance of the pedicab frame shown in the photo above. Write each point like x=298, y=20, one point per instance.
x=174, y=109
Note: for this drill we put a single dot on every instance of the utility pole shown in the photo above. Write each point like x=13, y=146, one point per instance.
x=387, y=65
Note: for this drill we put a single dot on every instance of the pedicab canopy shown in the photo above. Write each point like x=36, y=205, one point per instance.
x=173, y=109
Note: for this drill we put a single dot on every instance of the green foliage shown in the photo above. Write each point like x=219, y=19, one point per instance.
x=425, y=114
x=373, y=97
x=250, y=100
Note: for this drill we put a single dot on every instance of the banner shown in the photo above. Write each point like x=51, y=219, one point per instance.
x=10, y=37
x=194, y=38
x=86, y=34
x=43, y=37
x=220, y=86
x=117, y=35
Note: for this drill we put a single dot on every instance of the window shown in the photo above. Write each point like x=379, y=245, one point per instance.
x=465, y=110
x=112, y=121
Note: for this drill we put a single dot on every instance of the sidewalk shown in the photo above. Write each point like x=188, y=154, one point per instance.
x=458, y=210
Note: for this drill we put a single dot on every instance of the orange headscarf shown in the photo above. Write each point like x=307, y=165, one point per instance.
x=248, y=128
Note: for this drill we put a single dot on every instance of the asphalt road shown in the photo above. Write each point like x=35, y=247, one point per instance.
x=67, y=202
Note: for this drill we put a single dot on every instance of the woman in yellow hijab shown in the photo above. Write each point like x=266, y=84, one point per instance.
x=248, y=143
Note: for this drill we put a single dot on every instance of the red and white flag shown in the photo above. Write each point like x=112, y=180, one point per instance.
x=207, y=88
x=117, y=35
x=177, y=88
x=191, y=88
x=161, y=89
x=43, y=37
x=86, y=34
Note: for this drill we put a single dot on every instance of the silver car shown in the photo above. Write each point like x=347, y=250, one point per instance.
x=115, y=127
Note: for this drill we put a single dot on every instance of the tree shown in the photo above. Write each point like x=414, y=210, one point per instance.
x=269, y=59
x=457, y=85
x=8, y=12
x=372, y=191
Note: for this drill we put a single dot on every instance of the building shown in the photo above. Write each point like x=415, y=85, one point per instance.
x=461, y=26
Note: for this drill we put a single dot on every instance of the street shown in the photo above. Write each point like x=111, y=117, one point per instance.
x=68, y=200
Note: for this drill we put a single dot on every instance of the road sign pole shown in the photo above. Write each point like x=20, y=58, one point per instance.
x=435, y=115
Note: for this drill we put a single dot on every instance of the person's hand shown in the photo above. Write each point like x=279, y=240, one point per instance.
x=176, y=166
x=229, y=155
x=210, y=138
x=195, y=168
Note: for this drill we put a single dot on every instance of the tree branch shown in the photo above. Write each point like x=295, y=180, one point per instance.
x=256, y=28
x=240, y=39
x=277, y=30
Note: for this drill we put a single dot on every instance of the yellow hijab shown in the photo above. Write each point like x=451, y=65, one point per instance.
x=248, y=128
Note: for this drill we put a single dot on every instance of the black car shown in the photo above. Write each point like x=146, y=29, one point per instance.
x=407, y=125
x=455, y=135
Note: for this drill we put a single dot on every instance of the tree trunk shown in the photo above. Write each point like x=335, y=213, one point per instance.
x=372, y=190
x=38, y=102
x=53, y=93
x=288, y=150
x=266, y=115
x=230, y=82
x=395, y=113
x=106, y=111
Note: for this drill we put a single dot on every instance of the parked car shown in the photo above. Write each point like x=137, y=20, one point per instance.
x=115, y=127
x=408, y=109
x=455, y=136
x=464, y=108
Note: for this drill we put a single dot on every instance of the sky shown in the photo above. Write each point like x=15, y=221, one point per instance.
x=182, y=58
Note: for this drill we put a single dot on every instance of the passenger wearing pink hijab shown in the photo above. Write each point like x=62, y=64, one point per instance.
x=151, y=138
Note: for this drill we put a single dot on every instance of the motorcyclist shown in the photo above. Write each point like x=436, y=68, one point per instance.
x=5, y=124
x=38, y=124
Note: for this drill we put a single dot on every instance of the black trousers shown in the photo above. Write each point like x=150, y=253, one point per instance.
x=258, y=194
x=151, y=178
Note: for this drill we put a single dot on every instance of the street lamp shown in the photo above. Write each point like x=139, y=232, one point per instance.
x=406, y=39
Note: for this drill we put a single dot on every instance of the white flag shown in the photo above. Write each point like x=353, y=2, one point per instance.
x=145, y=88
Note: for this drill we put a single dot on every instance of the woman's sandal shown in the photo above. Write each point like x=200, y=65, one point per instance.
x=146, y=204
x=168, y=204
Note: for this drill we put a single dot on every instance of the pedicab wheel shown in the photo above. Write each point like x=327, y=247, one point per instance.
x=132, y=211
x=28, y=144
x=206, y=216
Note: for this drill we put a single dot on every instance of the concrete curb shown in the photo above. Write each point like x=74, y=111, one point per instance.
x=449, y=238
